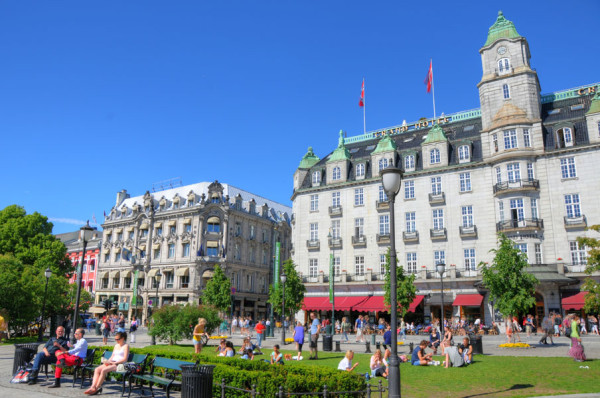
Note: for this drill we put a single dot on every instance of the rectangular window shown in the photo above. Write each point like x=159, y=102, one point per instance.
x=187, y=228
x=501, y=210
x=498, y=175
x=534, y=209
x=436, y=185
x=335, y=229
x=465, y=182
x=337, y=268
x=126, y=283
x=170, y=280
x=439, y=257
x=116, y=283
x=467, y=216
x=156, y=254
x=159, y=231
x=510, y=139
x=409, y=162
x=119, y=236
x=411, y=221
x=522, y=247
x=495, y=142
x=171, y=252
x=144, y=233
x=578, y=254
x=131, y=235
x=314, y=202
x=516, y=209
x=530, y=174
x=358, y=197
x=186, y=250
x=252, y=231
x=409, y=190
x=360, y=170
x=359, y=265
x=505, y=91
x=470, y=259
x=573, y=206
x=513, y=171
x=185, y=281
x=567, y=168
x=335, y=199
x=106, y=257
x=438, y=219
x=538, y=253
x=359, y=226
x=382, y=196
x=526, y=138
x=117, y=257
x=382, y=263
x=384, y=224
x=313, y=267
x=212, y=251
x=314, y=231
x=411, y=262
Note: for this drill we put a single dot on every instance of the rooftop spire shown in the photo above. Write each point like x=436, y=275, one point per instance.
x=340, y=153
x=501, y=29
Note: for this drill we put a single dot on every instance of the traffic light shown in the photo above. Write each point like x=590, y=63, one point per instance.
x=106, y=304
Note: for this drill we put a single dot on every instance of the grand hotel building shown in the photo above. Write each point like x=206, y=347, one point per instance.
x=523, y=164
x=184, y=232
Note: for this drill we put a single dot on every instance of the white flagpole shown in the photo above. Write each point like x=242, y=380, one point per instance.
x=364, y=110
x=433, y=89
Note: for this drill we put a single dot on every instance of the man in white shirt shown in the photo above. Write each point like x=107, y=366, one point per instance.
x=72, y=357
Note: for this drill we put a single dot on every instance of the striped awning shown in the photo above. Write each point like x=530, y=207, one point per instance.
x=182, y=271
x=114, y=274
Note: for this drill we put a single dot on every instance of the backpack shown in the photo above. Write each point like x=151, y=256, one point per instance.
x=22, y=374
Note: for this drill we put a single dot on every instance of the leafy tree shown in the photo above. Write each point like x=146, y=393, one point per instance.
x=173, y=323
x=17, y=295
x=218, y=291
x=405, y=287
x=294, y=291
x=592, y=299
x=511, y=287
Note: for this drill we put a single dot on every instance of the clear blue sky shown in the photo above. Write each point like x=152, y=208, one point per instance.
x=99, y=96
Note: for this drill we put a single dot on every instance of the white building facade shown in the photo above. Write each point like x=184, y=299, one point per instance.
x=522, y=164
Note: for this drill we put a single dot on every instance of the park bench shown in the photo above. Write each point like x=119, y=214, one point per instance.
x=138, y=359
x=89, y=359
x=162, y=371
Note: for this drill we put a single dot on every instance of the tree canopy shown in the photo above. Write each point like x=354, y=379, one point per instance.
x=217, y=291
x=592, y=298
x=294, y=291
x=173, y=323
x=405, y=287
x=511, y=287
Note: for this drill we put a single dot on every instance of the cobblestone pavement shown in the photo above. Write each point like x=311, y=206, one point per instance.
x=490, y=347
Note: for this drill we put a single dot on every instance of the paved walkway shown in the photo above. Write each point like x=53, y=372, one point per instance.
x=490, y=347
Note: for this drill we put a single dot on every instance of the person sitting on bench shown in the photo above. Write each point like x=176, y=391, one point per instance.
x=72, y=357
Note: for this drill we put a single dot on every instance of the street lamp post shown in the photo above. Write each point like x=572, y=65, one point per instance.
x=283, y=279
x=332, y=282
x=47, y=274
x=441, y=268
x=392, y=179
x=82, y=231
x=157, y=278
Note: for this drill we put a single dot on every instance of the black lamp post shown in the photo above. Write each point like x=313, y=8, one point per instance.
x=283, y=279
x=332, y=282
x=82, y=231
x=441, y=268
x=47, y=274
x=392, y=179
x=157, y=278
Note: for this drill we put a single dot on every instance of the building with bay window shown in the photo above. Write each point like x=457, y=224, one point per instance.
x=183, y=233
x=522, y=164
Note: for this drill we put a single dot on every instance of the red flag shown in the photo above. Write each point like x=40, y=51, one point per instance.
x=361, y=101
x=429, y=78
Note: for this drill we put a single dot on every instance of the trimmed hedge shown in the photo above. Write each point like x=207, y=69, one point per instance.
x=242, y=373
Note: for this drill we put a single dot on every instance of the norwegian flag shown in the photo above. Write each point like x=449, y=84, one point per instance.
x=361, y=101
x=429, y=79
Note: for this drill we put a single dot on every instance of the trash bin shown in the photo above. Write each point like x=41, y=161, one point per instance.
x=329, y=329
x=477, y=344
x=23, y=354
x=373, y=336
x=197, y=381
x=327, y=342
x=98, y=331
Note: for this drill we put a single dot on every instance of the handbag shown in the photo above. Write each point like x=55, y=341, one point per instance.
x=568, y=331
x=133, y=368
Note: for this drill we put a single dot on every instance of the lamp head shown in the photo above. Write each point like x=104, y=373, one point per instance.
x=158, y=276
x=283, y=277
x=48, y=273
x=391, y=179
x=440, y=268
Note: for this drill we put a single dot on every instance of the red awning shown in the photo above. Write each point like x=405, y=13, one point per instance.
x=574, y=302
x=415, y=303
x=347, y=303
x=373, y=303
x=316, y=303
x=468, y=300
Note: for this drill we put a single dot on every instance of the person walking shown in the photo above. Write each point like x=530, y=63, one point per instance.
x=198, y=333
x=105, y=329
x=315, y=329
x=74, y=356
x=547, y=328
x=260, y=330
x=576, y=350
x=133, y=326
x=346, y=327
x=593, y=324
x=402, y=329
x=299, y=339
x=358, y=326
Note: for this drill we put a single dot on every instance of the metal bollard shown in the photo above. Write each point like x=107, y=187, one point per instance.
x=373, y=336
x=411, y=347
x=378, y=345
x=368, y=390
x=337, y=346
x=368, y=347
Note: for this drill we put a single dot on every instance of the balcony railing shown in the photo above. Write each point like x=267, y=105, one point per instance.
x=412, y=236
x=383, y=238
x=437, y=198
x=526, y=224
x=335, y=243
x=359, y=241
x=438, y=234
x=335, y=211
x=577, y=268
x=514, y=186
x=383, y=205
x=313, y=244
x=468, y=232
x=575, y=222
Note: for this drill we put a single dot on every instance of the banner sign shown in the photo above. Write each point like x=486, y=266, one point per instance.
x=135, y=286
x=276, y=275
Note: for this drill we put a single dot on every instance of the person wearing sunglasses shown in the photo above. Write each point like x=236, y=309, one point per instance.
x=119, y=356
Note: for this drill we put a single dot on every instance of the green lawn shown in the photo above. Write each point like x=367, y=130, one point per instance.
x=488, y=376
x=20, y=340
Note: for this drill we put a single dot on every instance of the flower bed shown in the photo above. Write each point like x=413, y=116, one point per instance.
x=289, y=340
x=515, y=345
x=218, y=337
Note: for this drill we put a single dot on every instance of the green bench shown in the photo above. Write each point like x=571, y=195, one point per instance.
x=139, y=359
x=162, y=372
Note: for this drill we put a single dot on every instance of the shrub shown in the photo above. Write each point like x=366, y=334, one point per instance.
x=173, y=323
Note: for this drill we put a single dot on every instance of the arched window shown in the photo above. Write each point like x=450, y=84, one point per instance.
x=337, y=174
x=464, y=154
x=360, y=170
x=409, y=162
x=383, y=163
x=213, y=224
x=505, y=91
x=503, y=66
x=316, y=177
x=434, y=156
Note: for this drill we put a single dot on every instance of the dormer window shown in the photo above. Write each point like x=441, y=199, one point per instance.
x=464, y=154
x=360, y=170
x=564, y=137
x=336, y=174
x=434, y=156
x=503, y=66
x=505, y=91
x=409, y=162
x=316, y=177
x=383, y=164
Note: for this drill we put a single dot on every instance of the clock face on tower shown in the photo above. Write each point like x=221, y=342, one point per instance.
x=501, y=50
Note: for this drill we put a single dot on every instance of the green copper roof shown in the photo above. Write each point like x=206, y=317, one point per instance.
x=501, y=29
x=386, y=144
x=309, y=160
x=595, y=105
x=436, y=134
x=340, y=153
